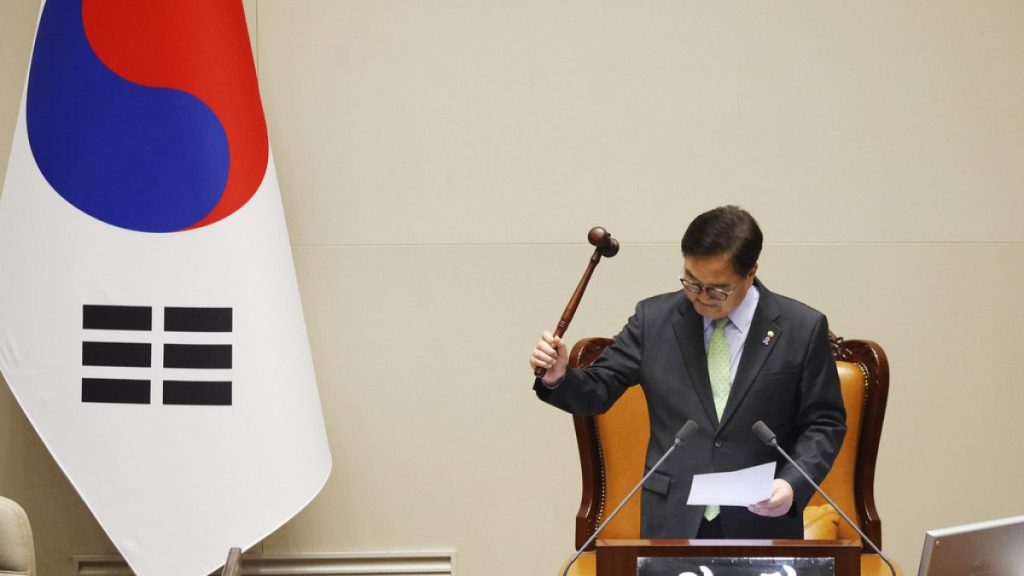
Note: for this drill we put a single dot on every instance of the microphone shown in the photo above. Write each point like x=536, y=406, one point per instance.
x=684, y=435
x=765, y=434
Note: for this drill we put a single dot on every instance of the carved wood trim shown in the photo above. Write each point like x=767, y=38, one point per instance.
x=592, y=501
x=873, y=361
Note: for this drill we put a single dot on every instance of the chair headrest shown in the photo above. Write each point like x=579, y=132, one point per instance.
x=17, y=551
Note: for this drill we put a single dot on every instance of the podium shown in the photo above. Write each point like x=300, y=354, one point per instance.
x=727, y=557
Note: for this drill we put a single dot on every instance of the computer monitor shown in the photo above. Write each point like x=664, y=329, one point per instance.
x=993, y=548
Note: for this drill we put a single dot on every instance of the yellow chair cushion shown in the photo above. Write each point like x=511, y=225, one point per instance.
x=821, y=523
x=839, y=483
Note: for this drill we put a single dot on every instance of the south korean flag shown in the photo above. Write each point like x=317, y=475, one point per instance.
x=150, y=322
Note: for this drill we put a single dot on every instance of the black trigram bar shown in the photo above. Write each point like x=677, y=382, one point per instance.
x=197, y=319
x=197, y=355
x=113, y=391
x=124, y=354
x=99, y=317
x=190, y=393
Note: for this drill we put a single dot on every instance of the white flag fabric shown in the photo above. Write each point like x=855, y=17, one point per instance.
x=150, y=321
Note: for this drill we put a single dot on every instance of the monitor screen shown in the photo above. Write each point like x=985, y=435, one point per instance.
x=993, y=548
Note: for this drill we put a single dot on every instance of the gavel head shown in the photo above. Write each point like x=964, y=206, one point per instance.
x=603, y=241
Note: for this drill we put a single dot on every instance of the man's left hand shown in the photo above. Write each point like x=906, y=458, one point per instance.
x=778, y=504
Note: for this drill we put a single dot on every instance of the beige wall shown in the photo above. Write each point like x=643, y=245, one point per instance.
x=442, y=161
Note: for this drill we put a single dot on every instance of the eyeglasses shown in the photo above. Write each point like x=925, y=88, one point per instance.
x=713, y=293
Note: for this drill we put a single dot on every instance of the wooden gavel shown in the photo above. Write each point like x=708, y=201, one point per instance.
x=604, y=245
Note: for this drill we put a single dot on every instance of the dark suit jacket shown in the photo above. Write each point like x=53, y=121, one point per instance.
x=790, y=382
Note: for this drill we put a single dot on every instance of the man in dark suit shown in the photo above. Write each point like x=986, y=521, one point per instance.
x=725, y=352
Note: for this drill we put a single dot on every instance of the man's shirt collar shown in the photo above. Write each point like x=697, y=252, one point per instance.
x=743, y=315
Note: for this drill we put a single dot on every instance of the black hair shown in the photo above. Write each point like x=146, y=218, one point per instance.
x=728, y=230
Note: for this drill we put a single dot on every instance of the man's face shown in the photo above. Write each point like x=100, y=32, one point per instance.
x=715, y=272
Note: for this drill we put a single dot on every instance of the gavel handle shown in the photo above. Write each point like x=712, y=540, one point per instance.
x=574, y=302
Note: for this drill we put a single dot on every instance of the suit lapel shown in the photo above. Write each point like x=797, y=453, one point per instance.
x=689, y=330
x=756, y=349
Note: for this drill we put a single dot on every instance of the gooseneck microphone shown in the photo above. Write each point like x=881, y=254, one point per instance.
x=684, y=434
x=765, y=434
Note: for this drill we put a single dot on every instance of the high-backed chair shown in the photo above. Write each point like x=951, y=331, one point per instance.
x=612, y=447
x=17, y=551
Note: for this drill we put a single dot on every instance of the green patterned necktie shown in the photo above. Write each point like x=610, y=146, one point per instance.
x=718, y=366
x=718, y=370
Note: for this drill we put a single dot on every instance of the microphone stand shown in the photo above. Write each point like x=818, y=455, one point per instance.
x=684, y=434
x=774, y=443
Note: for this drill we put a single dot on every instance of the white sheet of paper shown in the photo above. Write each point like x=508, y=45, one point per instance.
x=740, y=488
